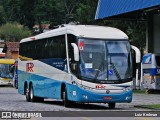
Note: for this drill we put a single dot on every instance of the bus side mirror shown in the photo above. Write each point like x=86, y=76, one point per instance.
x=138, y=53
x=76, y=52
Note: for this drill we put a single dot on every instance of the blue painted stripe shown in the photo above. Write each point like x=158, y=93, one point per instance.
x=49, y=88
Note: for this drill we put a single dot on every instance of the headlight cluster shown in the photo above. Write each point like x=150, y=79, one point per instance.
x=127, y=89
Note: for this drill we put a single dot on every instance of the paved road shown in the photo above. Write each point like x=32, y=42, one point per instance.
x=10, y=100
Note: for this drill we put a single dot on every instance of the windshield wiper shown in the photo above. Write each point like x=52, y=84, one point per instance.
x=115, y=70
x=98, y=70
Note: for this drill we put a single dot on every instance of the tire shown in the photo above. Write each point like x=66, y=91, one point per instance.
x=66, y=102
x=27, y=94
x=111, y=105
x=31, y=94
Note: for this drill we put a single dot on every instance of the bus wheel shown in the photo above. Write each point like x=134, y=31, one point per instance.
x=111, y=105
x=32, y=97
x=27, y=94
x=67, y=103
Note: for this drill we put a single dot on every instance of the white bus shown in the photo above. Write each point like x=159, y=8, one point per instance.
x=151, y=71
x=76, y=63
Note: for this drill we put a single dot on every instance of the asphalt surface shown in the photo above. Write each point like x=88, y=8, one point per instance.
x=10, y=100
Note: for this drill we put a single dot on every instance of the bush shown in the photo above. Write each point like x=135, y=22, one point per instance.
x=14, y=32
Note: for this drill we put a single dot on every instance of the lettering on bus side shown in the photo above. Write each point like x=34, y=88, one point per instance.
x=29, y=67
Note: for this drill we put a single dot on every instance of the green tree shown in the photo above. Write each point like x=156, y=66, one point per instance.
x=2, y=14
x=50, y=11
x=13, y=32
x=85, y=11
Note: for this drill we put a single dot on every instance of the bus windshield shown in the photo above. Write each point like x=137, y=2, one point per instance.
x=105, y=60
x=5, y=71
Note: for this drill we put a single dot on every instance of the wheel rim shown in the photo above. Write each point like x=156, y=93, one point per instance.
x=31, y=93
x=27, y=93
x=64, y=94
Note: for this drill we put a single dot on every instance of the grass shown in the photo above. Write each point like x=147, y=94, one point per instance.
x=147, y=91
x=154, y=106
x=139, y=91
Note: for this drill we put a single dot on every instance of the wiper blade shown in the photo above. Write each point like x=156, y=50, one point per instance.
x=115, y=71
x=98, y=70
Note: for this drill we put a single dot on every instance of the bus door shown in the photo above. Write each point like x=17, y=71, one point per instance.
x=151, y=71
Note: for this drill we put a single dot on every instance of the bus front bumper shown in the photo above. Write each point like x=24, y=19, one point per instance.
x=81, y=95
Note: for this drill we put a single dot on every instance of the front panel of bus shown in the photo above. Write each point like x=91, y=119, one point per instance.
x=105, y=69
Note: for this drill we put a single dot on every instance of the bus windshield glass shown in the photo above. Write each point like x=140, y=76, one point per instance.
x=5, y=71
x=105, y=60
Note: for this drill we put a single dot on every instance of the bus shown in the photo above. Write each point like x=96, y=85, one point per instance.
x=6, y=71
x=77, y=63
x=151, y=71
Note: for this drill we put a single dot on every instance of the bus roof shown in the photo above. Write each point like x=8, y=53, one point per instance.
x=7, y=61
x=86, y=31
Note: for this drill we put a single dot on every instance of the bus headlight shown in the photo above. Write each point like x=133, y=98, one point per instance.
x=127, y=89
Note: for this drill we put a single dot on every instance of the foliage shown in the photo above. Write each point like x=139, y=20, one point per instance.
x=2, y=14
x=56, y=12
x=13, y=32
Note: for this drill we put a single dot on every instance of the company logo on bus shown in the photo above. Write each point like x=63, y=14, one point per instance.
x=100, y=86
x=29, y=67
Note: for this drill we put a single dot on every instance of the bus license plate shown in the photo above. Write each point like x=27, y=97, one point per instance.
x=107, y=98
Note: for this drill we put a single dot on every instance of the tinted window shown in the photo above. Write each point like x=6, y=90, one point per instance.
x=53, y=47
x=158, y=60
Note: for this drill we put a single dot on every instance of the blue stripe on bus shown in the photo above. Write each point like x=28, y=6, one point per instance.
x=151, y=71
x=58, y=63
x=49, y=88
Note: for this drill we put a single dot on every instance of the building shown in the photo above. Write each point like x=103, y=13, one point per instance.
x=2, y=55
x=11, y=50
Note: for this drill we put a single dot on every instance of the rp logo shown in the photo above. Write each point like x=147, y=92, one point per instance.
x=29, y=67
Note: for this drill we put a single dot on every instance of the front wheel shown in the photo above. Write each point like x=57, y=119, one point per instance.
x=111, y=105
x=67, y=103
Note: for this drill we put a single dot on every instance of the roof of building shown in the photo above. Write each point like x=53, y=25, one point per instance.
x=133, y=9
x=11, y=46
